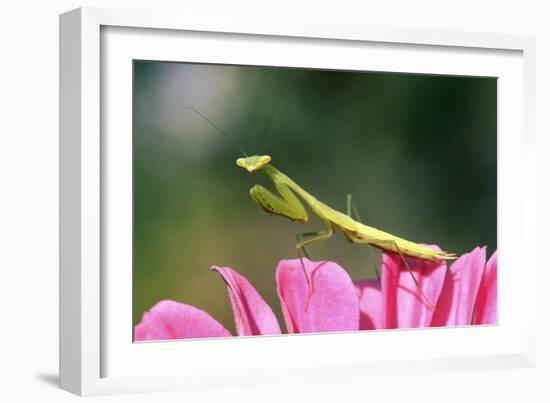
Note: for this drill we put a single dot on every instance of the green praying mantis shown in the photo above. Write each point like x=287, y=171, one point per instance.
x=287, y=204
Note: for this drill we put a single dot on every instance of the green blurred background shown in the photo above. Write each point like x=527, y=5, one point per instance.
x=417, y=152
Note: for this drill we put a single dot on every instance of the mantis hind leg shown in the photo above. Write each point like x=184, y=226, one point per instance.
x=424, y=297
x=401, y=254
x=352, y=208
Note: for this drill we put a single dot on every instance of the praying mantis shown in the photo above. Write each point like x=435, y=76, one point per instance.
x=287, y=204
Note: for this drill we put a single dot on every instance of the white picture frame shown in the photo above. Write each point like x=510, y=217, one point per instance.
x=96, y=355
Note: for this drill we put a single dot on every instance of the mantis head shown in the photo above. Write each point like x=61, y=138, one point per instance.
x=253, y=162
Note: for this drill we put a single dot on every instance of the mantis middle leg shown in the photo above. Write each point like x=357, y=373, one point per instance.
x=304, y=235
x=351, y=206
x=319, y=237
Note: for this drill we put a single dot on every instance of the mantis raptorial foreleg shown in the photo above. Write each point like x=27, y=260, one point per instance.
x=288, y=205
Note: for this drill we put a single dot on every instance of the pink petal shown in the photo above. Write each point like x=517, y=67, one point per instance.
x=169, y=320
x=456, y=303
x=333, y=304
x=371, y=309
x=406, y=304
x=252, y=314
x=485, y=312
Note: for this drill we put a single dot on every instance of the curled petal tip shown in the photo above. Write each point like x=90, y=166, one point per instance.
x=251, y=313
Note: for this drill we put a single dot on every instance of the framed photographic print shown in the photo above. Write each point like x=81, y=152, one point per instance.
x=237, y=198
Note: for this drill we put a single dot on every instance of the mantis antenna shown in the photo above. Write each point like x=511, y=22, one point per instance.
x=218, y=129
x=267, y=126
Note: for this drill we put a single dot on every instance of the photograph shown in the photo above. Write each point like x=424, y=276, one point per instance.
x=274, y=200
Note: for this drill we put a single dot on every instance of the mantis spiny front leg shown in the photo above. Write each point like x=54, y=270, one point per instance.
x=287, y=205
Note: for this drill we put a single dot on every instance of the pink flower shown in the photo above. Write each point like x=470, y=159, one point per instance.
x=251, y=313
x=485, y=310
x=463, y=294
x=371, y=308
x=429, y=295
x=331, y=306
x=455, y=306
x=173, y=320
x=406, y=303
